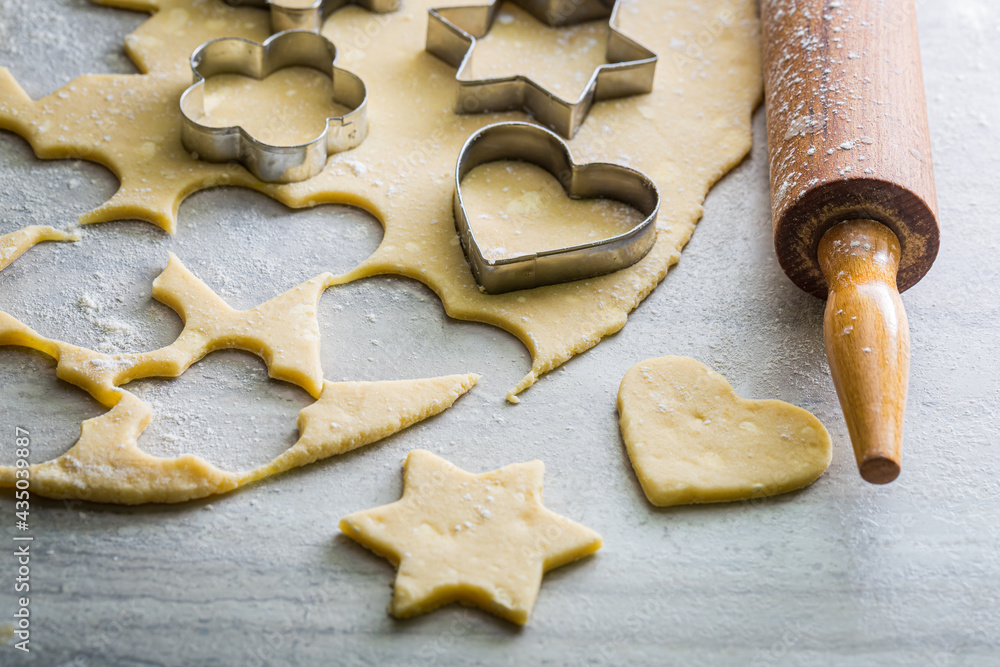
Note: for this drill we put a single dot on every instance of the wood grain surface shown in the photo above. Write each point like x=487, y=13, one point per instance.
x=867, y=341
x=847, y=130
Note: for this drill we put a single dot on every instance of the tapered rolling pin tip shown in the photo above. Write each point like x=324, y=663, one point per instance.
x=879, y=470
x=867, y=341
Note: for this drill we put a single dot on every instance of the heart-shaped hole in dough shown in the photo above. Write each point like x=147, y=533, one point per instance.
x=692, y=439
x=518, y=208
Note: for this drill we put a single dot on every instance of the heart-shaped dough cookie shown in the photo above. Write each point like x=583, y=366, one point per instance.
x=692, y=439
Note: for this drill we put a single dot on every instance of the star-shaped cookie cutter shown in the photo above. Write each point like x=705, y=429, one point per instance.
x=270, y=162
x=309, y=15
x=452, y=33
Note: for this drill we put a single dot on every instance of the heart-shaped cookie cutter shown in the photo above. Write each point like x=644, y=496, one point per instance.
x=532, y=143
x=309, y=15
x=270, y=162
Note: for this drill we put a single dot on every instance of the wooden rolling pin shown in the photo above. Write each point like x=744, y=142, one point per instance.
x=852, y=194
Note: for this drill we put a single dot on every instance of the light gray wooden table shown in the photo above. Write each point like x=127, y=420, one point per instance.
x=842, y=573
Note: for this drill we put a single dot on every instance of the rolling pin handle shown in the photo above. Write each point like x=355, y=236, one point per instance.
x=867, y=341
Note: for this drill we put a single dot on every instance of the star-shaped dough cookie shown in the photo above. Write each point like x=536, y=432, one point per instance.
x=483, y=540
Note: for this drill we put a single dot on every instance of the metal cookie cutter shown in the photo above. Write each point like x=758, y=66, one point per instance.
x=309, y=14
x=537, y=145
x=452, y=33
x=268, y=162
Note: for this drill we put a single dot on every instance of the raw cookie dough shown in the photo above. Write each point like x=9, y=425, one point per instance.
x=559, y=58
x=15, y=244
x=483, y=540
x=287, y=108
x=517, y=208
x=106, y=464
x=685, y=135
x=691, y=439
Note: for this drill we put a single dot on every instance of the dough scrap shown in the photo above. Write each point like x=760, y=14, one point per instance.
x=15, y=244
x=106, y=463
x=284, y=331
x=685, y=135
x=484, y=540
x=349, y=415
x=692, y=439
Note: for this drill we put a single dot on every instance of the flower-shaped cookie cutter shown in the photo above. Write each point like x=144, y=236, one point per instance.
x=269, y=162
x=452, y=33
x=309, y=14
x=532, y=143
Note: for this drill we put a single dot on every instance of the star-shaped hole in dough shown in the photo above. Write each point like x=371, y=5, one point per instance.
x=484, y=540
x=106, y=464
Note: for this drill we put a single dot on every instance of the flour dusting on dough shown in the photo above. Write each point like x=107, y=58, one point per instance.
x=685, y=135
x=691, y=439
